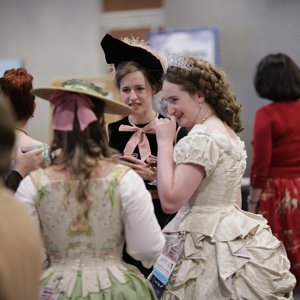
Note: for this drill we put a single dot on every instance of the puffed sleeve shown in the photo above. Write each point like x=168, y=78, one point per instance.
x=144, y=238
x=198, y=148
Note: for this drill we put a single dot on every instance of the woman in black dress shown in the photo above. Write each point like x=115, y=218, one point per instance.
x=138, y=76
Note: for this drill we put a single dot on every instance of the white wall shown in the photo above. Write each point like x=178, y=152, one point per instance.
x=249, y=29
x=56, y=39
x=60, y=38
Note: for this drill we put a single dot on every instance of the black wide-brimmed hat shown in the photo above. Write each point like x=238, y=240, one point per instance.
x=118, y=51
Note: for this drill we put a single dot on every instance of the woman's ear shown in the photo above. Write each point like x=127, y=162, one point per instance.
x=155, y=90
x=200, y=98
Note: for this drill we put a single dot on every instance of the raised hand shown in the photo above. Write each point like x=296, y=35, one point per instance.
x=25, y=162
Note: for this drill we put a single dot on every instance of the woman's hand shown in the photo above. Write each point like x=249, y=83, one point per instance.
x=165, y=130
x=28, y=161
x=253, y=199
x=139, y=166
x=252, y=205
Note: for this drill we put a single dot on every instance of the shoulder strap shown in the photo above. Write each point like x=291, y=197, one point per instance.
x=119, y=172
x=36, y=177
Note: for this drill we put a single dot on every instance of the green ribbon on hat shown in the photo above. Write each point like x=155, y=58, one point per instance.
x=84, y=86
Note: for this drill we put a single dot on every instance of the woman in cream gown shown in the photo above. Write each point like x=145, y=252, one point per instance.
x=227, y=253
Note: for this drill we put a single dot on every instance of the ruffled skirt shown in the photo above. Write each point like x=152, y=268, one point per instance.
x=232, y=256
x=113, y=282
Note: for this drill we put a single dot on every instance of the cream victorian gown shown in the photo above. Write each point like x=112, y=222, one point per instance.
x=228, y=253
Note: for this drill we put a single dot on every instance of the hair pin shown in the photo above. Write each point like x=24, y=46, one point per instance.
x=179, y=61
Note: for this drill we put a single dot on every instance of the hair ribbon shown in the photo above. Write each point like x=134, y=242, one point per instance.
x=66, y=105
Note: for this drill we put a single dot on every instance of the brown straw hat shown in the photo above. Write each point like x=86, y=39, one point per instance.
x=86, y=88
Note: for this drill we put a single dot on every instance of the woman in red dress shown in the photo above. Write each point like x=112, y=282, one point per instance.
x=275, y=169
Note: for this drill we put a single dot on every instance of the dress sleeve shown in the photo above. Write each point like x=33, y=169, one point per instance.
x=26, y=193
x=143, y=235
x=198, y=148
x=262, y=149
x=13, y=180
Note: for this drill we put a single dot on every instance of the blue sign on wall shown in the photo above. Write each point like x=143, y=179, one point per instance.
x=9, y=63
x=203, y=43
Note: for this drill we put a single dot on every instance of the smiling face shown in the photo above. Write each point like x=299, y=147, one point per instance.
x=136, y=92
x=184, y=106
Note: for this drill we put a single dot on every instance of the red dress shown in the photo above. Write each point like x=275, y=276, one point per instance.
x=276, y=170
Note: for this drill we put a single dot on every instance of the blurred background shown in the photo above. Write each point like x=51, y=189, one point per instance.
x=60, y=39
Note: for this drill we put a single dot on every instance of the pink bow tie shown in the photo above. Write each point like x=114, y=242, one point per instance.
x=139, y=139
x=65, y=105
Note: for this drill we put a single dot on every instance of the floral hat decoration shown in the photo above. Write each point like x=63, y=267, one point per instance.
x=87, y=88
x=76, y=97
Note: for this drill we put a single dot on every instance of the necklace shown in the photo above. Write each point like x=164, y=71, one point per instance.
x=22, y=130
x=131, y=123
x=206, y=117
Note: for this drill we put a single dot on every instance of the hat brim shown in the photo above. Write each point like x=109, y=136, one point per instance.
x=111, y=106
x=117, y=51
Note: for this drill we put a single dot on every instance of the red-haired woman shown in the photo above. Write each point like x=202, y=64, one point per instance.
x=16, y=85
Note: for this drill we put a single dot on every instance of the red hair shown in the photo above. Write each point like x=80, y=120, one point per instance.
x=16, y=84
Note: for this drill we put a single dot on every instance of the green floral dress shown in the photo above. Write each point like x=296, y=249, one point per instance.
x=85, y=258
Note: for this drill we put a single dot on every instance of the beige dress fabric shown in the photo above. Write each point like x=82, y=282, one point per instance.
x=20, y=251
x=228, y=253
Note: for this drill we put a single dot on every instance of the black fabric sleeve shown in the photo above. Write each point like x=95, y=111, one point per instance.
x=13, y=180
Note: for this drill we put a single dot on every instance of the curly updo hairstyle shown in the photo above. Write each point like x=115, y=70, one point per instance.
x=211, y=82
x=16, y=84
